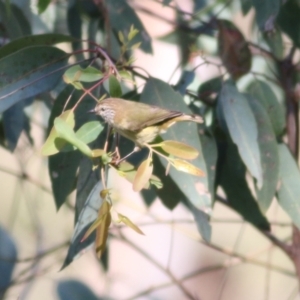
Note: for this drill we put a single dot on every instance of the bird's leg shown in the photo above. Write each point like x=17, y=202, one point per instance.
x=135, y=149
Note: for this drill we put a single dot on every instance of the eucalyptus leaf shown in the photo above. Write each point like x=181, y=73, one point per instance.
x=28, y=72
x=142, y=175
x=157, y=92
x=87, y=216
x=266, y=13
x=269, y=154
x=75, y=290
x=242, y=127
x=122, y=17
x=289, y=188
x=275, y=110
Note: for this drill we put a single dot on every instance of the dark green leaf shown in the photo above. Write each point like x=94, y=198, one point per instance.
x=166, y=2
x=208, y=90
x=242, y=127
x=14, y=21
x=63, y=168
x=246, y=6
x=8, y=255
x=185, y=80
x=87, y=179
x=210, y=153
x=202, y=222
x=29, y=72
x=266, y=12
x=276, y=111
x=232, y=178
x=114, y=87
x=122, y=17
x=269, y=154
x=75, y=25
x=75, y=290
x=14, y=122
x=87, y=216
x=288, y=20
x=275, y=41
x=289, y=188
x=170, y=195
x=42, y=5
x=195, y=189
x=47, y=39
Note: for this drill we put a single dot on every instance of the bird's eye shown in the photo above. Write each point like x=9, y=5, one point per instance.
x=102, y=109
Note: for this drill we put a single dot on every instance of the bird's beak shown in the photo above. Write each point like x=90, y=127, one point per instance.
x=92, y=111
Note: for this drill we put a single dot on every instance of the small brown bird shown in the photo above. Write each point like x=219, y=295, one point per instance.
x=137, y=121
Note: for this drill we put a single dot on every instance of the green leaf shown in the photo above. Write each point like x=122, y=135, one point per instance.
x=87, y=179
x=246, y=6
x=266, y=13
x=62, y=169
x=65, y=132
x=288, y=20
x=232, y=178
x=14, y=21
x=170, y=195
x=75, y=290
x=210, y=154
x=210, y=88
x=114, y=87
x=42, y=5
x=122, y=17
x=202, y=222
x=87, y=216
x=276, y=111
x=143, y=175
x=269, y=154
x=15, y=115
x=53, y=143
x=46, y=39
x=195, y=189
x=242, y=127
x=89, y=131
x=289, y=187
x=178, y=149
x=275, y=42
x=186, y=78
x=29, y=72
x=78, y=74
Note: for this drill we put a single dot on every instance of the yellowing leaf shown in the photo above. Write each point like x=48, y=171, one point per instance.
x=184, y=166
x=127, y=170
x=104, y=193
x=130, y=224
x=101, y=235
x=179, y=149
x=103, y=212
x=53, y=143
x=143, y=175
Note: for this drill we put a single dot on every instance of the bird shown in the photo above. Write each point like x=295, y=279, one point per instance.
x=139, y=122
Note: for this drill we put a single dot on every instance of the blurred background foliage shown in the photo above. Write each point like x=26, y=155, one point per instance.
x=236, y=63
